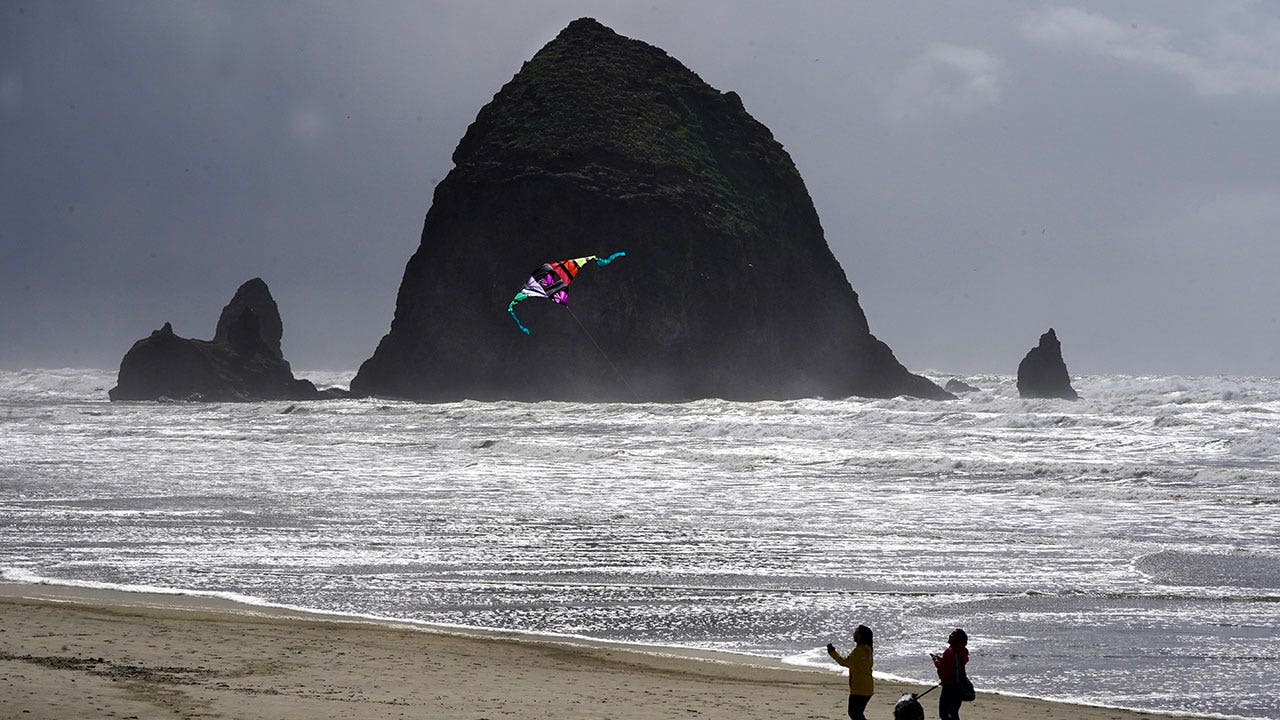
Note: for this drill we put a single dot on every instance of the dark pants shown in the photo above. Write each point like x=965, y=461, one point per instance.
x=857, y=704
x=949, y=703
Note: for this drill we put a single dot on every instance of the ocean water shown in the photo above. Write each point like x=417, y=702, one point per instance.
x=1121, y=550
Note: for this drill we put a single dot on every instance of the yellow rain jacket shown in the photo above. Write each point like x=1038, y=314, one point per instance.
x=859, y=662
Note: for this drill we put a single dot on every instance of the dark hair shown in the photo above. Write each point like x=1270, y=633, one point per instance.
x=864, y=632
x=958, y=637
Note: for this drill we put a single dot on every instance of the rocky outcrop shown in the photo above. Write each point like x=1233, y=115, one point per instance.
x=957, y=386
x=1043, y=374
x=242, y=362
x=602, y=143
x=255, y=297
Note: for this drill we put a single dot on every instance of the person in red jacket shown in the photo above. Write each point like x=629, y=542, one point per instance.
x=950, y=665
x=859, y=661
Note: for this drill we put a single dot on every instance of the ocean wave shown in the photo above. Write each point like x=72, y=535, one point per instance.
x=1256, y=446
x=1240, y=569
x=55, y=384
x=755, y=526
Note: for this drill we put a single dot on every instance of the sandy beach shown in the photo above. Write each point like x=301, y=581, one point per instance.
x=78, y=653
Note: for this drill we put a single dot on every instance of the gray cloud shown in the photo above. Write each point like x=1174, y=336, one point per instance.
x=1243, y=59
x=945, y=80
x=982, y=171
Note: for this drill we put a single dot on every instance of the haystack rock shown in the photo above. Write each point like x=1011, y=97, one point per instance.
x=242, y=362
x=600, y=144
x=1043, y=374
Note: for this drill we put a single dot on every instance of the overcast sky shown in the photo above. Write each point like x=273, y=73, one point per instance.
x=983, y=170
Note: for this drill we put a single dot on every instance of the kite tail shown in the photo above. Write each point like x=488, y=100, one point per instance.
x=601, y=262
x=512, y=309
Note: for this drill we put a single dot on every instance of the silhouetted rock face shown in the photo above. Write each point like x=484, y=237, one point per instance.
x=959, y=386
x=242, y=362
x=601, y=143
x=1043, y=374
x=253, y=296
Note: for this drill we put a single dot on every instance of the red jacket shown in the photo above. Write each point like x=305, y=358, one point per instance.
x=946, y=664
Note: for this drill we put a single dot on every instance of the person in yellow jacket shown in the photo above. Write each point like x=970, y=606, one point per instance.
x=859, y=661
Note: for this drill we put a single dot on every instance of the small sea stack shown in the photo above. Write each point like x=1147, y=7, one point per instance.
x=1043, y=374
x=243, y=361
x=956, y=386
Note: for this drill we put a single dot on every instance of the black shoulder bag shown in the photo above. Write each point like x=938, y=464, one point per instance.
x=963, y=685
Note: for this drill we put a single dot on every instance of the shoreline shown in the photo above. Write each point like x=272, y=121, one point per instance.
x=70, y=651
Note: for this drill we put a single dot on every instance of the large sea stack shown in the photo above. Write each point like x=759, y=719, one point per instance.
x=243, y=361
x=601, y=143
x=1043, y=373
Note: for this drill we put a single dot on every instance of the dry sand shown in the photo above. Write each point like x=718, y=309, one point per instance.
x=79, y=653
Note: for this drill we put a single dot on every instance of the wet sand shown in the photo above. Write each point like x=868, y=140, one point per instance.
x=86, y=653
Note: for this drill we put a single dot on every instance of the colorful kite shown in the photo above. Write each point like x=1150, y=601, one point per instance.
x=550, y=281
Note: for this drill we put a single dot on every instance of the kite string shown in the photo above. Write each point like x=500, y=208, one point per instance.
x=603, y=354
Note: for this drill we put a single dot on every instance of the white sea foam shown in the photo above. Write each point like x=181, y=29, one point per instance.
x=64, y=384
